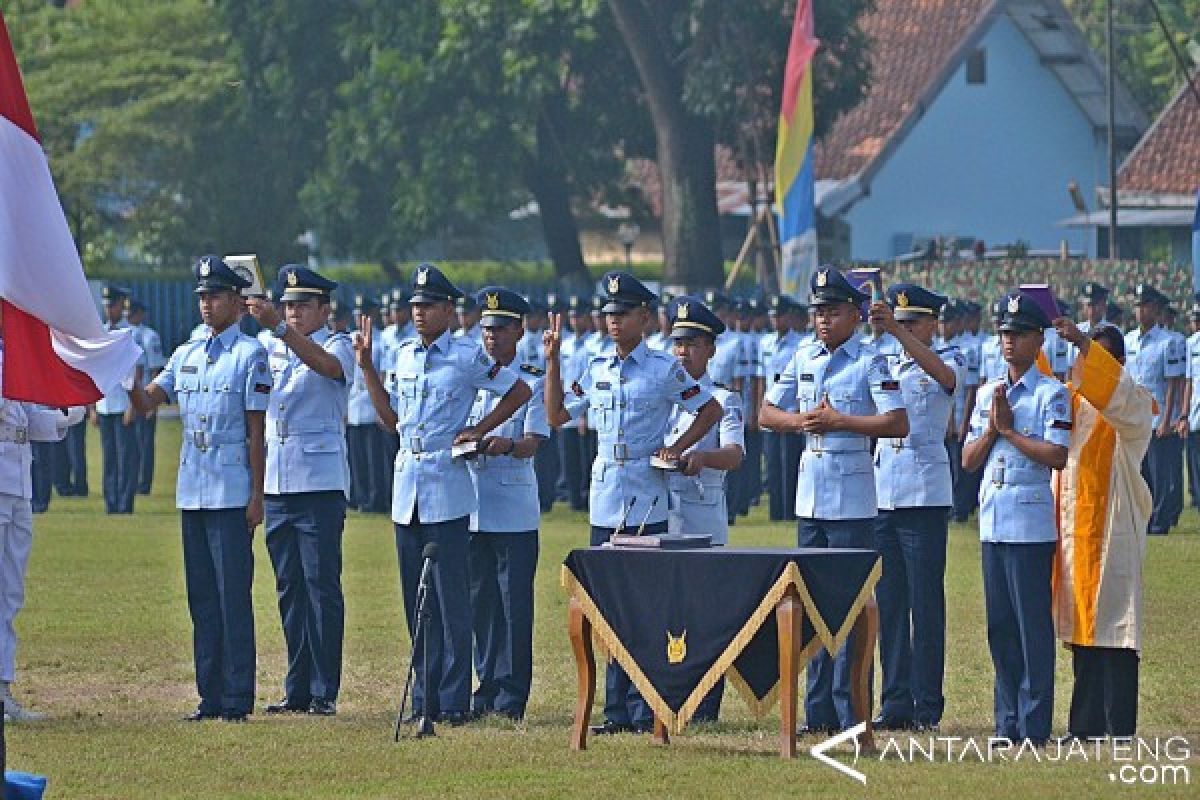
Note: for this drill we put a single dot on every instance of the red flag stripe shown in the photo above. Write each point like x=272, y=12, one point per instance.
x=33, y=371
x=13, y=103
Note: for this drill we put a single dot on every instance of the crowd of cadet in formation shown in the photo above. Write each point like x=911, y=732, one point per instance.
x=466, y=416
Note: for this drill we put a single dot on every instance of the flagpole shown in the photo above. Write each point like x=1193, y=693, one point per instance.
x=1112, y=139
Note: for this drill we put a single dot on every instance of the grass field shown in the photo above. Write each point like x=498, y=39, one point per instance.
x=106, y=650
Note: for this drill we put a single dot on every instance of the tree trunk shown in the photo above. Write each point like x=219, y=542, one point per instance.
x=686, y=164
x=546, y=177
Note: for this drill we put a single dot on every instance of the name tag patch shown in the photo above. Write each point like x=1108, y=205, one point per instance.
x=189, y=370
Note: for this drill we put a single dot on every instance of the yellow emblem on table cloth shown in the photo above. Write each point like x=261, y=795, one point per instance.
x=676, y=647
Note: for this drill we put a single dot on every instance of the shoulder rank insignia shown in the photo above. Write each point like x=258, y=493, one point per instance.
x=532, y=369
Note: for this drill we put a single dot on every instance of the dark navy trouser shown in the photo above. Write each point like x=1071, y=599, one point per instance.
x=146, y=427
x=449, y=607
x=304, y=538
x=576, y=464
x=118, y=442
x=1018, y=598
x=912, y=612
x=623, y=703
x=546, y=467
x=70, y=472
x=42, y=478
x=218, y=565
x=1161, y=469
x=502, y=571
x=827, y=701
x=1193, y=467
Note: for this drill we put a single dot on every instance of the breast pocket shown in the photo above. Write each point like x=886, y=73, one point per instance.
x=806, y=397
x=408, y=401
x=186, y=389
x=230, y=396
x=848, y=402
x=602, y=407
x=515, y=476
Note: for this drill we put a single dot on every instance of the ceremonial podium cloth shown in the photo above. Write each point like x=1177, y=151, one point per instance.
x=677, y=620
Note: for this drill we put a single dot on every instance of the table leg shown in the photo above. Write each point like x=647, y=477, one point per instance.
x=580, y=631
x=866, y=631
x=660, y=731
x=789, y=617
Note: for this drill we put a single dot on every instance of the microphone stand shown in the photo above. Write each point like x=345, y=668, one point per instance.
x=625, y=516
x=421, y=638
x=641, y=528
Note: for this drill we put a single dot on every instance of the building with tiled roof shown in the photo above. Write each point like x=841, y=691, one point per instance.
x=1157, y=187
x=980, y=114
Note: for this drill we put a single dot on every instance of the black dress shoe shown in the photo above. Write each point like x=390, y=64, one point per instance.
x=286, y=706
x=611, y=728
x=886, y=723
x=199, y=715
x=455, y=719
x=233, y=716
x=927, y=727
x=321, y=707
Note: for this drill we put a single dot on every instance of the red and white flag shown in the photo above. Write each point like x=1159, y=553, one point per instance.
x=56, y=352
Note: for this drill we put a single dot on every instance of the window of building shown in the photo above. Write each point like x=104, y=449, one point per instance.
x=977, y=67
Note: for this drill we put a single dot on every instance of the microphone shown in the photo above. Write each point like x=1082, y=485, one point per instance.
x=625, y=515
x=642, y=527
x=429, y=557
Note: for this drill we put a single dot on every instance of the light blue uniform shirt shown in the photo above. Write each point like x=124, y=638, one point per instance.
x=629, y=400
x=531, y=350
x=151, y=344
x=914, y=472
x=967, y=345
x=1016, y=505
x=697, y=503
x=433, y=389
x=886, y=345
x=1193, y=376
x=726, y=364
x=306, y=419
x=1153, y=359
x=475, y=334
x=573, y=354
x=1058, y=351
x=659, y=341
x=506, y=486
x=836, y=478
x=992, y=366
x=776, y=351
x=215, y=380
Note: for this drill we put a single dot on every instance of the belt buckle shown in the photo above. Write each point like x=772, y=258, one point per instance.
x=621, y=451
x=200, y=440
x=897, y=444
x=816, y=448
x=21, y=435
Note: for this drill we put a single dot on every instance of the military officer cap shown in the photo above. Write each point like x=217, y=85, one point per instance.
x=340, y=308
x=214, y=275
x=780, y=304
x=691, y=318
x=556, y=302
x=998, y=310
x=717, y=300
x=579, y=305
x=536, y=306
x=113, y=293
x=950, y=311
x=1093, y=292
x=501, y=307
x=623, y=292
x=911, y=301
x=829, y=287
x=136, y=306
x=664, y=300
x=1022, y=313
x=972, y=308
x=1114, y=313
x=430, y=285
x=466, y=303
x=363, y=304
x=1194, y=313
x=296, y=282
x=1145, y=294
x=399, y=299
x=597, y=304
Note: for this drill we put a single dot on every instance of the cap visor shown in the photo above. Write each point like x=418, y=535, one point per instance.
x=904, y=314
x=291, y=296
x=497, y=321
x=614, y=307
x=425, y=298
x=1018, y=327
x=687, y=332
x=213, y=288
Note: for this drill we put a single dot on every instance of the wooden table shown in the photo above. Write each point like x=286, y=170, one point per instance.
x=789, y=614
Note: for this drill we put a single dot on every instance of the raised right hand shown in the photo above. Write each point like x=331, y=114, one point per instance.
x=362, y=341
x=552, y=337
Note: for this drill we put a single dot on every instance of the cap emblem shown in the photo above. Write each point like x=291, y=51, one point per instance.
x=614, y=284
x=422, y=276
x=823, y=277
x=902, y=299
x=1014, y=304
x=682, y=312
x=205, y=268
x=493, y=301
x=292, y=279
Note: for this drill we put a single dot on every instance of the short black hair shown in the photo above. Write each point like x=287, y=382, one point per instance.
x=1110, y=338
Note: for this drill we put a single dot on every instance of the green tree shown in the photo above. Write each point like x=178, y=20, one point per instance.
x=124, y=92
x=712, y=72
x=1143, y=57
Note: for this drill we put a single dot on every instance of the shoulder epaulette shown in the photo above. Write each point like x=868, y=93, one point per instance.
x=533, y=369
